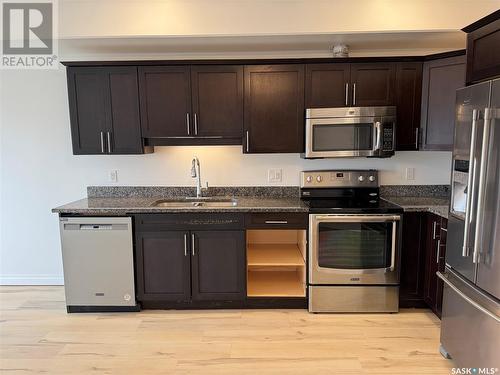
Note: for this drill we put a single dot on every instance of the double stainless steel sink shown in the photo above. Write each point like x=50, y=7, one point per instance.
x=188, y=202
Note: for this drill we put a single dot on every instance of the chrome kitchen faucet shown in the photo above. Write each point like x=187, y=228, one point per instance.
x=196, y=173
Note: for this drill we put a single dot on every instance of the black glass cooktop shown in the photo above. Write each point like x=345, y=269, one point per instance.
x=347, y=200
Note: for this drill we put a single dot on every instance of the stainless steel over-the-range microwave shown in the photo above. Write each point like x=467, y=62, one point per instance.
x=350, y=132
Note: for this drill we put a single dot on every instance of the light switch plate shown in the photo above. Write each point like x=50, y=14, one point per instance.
x=274, y=175
x=410, y=173
x=113, y=176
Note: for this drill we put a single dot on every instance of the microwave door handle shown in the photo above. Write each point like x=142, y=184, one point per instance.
x=470, y=185
x=478, y=243
x=378, y=139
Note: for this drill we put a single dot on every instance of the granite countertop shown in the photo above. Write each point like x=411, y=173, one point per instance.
x=121, y=200
x=124, y=205
x=435, y=205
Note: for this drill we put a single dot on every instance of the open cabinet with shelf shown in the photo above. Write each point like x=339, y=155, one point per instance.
x=276, y=263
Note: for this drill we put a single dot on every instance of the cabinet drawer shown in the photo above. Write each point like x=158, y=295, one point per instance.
x=293, y=220
x=185, y=221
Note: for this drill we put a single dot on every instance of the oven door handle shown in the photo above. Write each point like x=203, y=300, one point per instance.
x=356, y=218
x=393, y=251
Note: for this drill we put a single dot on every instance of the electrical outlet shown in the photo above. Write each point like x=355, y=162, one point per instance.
x=275, y=175
x=113, y=176
x=410, y=173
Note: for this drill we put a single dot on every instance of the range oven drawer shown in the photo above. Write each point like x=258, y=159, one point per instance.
x=353, y=298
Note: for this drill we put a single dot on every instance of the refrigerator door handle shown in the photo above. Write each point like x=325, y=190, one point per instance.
x=467, y=298
x=482, y=185
x=470, y=184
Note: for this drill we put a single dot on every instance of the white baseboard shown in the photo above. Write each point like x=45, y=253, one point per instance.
x=31, y=280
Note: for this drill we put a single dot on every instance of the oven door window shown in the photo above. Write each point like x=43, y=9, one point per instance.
x=342, y=137
x=355, y=245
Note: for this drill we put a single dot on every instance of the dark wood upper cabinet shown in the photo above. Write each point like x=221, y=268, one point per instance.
x=327, y=85
x=104, y=110
x=87, y=105
x=483, y=52
x=124, y=129
x=218, y=265
x=165, y=94
x=274, y=109
x=372, y=84
x=408, y=101
x=217, y=100
x=163, y=266
x=441, y=79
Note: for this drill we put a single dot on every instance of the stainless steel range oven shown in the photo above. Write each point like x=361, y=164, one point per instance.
x=354, y=243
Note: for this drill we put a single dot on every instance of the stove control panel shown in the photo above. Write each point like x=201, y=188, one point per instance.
x=339, y=179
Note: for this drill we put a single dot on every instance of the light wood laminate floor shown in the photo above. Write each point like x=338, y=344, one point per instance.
x=37, y=336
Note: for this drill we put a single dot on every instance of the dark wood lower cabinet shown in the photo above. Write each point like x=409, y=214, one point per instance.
x=183, y=260
x=218, y=265
x=198, y=261
x=423, y=254
x=163, y=266
x=435, y=253
x=411, y=291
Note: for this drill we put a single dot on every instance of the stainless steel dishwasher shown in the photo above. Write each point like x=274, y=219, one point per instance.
x=98, y=263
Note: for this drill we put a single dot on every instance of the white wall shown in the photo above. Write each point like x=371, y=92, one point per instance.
x=112, y=18
x=39, y=172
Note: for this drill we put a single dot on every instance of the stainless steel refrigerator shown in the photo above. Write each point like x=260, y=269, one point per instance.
x=470, y=326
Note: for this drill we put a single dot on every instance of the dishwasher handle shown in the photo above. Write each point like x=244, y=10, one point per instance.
x=95, y=227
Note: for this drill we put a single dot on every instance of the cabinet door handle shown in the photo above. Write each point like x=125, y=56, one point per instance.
x=354, y=93
x=434, y=225
x=438, y=249
x=102, y=142
x=248, y=141
x=187, y=122
x=108, y=135
x=185, y=244
x=276, y=221
x=195, y=124
x=346, y=94
x=193, y=240
x=416, y=138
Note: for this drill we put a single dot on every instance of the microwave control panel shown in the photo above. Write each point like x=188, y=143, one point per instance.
x=388, y=138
